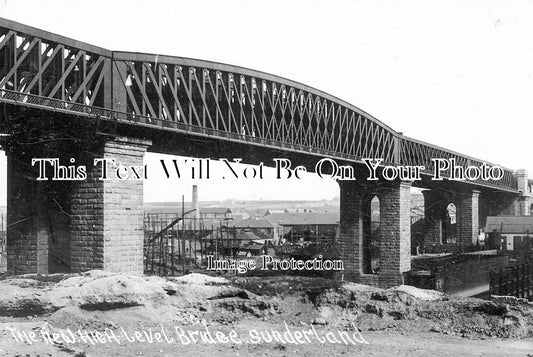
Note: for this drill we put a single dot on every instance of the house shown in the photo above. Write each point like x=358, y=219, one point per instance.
x=261, y=227
x=256, y=213
x=215, y=213
x=300, y=227
x=254, y=249
x=512, y=233
x=240, y=215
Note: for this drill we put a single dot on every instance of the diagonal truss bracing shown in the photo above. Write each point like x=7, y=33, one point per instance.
x=201, y=97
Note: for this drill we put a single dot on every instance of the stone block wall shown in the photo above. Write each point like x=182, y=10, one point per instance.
x=27, y=229
x=468, y=218
x=87, y=225
x=350, y=230
x=107, y=229
x=123, y=204
x=395, y=226
x=91, y=224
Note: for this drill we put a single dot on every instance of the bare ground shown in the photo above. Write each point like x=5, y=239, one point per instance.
x=95, y=313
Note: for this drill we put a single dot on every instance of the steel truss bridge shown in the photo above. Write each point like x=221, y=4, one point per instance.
x=48, y=71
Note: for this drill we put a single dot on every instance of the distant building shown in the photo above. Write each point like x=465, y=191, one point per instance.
x=256, y=213
x=302, y=227
x=254, y=250
x=274, y=211
x=240, y=215
x=261, y=227
x=298, y=210
x=214, y=213
x=245, y=238
x=512, y=233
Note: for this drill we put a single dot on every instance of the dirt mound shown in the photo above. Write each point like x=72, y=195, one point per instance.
x=422, y=294
x=23, y=297
x=318, y=301
x=100, y=291
x=94, y=290
x=411, y=309
x=403, y=308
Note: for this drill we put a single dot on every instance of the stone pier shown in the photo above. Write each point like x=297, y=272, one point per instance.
x=395, y=231
x=74, y=226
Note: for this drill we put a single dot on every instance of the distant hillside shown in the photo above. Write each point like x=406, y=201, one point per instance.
x=248, y=206
x=417, y=203
x=256, y=207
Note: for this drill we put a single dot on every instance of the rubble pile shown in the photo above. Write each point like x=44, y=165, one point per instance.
x=297, y=300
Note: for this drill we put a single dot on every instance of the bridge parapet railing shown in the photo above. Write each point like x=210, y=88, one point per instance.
x=123, y=117
x=414, y=152
x=252, y=104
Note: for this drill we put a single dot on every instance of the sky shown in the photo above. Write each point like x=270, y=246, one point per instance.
x=457, y=74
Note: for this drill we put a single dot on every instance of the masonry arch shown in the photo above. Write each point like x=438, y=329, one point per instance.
x=371, y=234
x=449, y=224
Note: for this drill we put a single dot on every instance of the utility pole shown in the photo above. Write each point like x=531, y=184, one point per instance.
x=183, y=233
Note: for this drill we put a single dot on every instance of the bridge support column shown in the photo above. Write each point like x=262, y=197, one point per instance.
x=395, y=227
x=107, y=222
x=468, y=218
x=27, y=226
x=351, y=230
x=511, y=204
x=523, y=202
x=74, y=226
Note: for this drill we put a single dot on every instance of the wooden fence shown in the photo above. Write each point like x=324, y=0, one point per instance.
x=515, y=280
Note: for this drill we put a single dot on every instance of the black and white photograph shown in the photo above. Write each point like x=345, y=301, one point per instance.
x=266, y=178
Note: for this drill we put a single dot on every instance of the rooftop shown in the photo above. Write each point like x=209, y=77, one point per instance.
x=510, y=224
x=298, y=219
x=252, y=223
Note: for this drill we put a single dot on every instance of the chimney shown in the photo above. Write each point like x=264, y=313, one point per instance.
x=195, y=202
